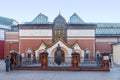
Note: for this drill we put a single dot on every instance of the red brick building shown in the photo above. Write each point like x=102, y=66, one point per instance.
x=40, y=35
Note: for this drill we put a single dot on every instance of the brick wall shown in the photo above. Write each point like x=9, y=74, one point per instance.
x=10, y=46
x=103, y=46
x=32, y=44
x=90, y=44
x=1, y=49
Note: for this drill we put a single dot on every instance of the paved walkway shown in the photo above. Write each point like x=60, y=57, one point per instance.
x=2, y=65
x=114, y=74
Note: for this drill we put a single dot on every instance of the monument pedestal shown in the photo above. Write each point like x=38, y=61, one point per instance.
x=44, y=60
x=75, y=60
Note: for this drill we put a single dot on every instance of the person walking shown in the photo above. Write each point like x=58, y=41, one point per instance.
x=7, y=61
x=11, y=63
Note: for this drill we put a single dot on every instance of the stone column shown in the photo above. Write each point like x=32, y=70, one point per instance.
x=44, y=60
x=105, y=61
x=75, y=60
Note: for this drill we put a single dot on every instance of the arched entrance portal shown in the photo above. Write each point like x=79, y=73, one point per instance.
x=59, y=57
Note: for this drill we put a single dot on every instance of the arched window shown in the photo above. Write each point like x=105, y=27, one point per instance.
x=87, y=54
x=98, y=53
x=28, y=53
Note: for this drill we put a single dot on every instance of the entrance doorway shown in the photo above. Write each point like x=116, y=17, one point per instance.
x=59, y=57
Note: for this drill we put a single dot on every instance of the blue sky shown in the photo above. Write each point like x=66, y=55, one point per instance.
x=88, y=10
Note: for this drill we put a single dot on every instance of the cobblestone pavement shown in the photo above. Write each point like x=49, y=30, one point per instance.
x=114, y=74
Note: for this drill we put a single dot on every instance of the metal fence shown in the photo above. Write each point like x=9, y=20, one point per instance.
x=29, y=63
x=90, y=62
x=83, y=62
x=66, y=63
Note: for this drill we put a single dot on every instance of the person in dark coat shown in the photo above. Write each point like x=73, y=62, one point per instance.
x=110, y=61
x=20, y=60
x=11, y=63
x=7, y=61
x=98, y=59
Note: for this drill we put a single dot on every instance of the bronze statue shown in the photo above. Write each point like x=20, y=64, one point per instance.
x=59, y=56
x=58, y=48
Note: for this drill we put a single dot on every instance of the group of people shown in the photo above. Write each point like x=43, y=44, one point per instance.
x=9, y=63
